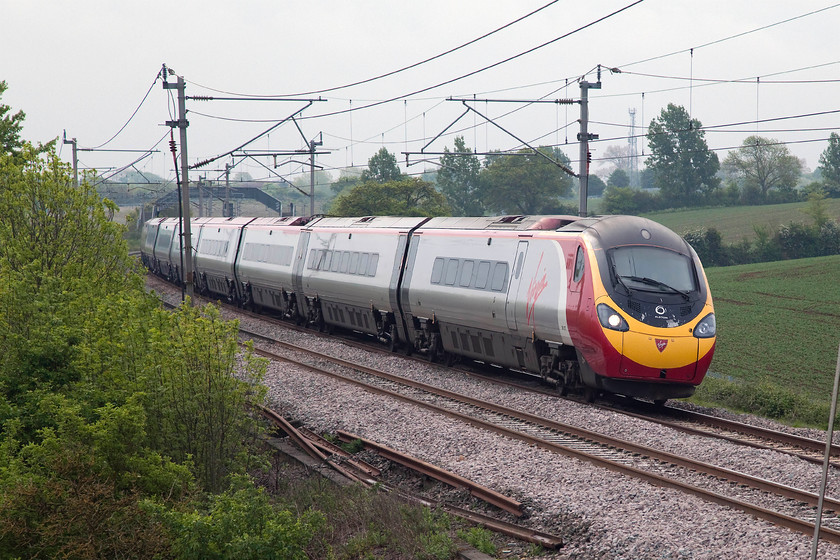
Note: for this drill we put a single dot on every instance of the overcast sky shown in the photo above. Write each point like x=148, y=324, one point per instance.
x=85, y=66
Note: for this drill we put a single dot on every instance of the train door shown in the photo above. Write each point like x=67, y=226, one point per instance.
x=513, y=298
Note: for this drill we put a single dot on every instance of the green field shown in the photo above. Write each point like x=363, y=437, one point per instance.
x=736, y=223
x=778, y=335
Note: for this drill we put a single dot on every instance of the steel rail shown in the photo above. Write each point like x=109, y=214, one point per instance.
x=760, y=512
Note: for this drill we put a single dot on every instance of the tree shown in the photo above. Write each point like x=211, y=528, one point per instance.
x=10, y=126
x=764, y=164
x=684, y=168
x=830, y=165
x=382, y=167
x=619, y=178
x=595, y=186
x=618, y=156
x=458, y=179
x=407, y=197
x=526, y=183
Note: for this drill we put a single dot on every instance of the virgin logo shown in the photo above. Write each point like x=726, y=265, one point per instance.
x=661, y=343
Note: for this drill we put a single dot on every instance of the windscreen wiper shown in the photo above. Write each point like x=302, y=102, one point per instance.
x=657, y=283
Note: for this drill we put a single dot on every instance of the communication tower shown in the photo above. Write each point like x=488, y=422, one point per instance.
x=632, y=151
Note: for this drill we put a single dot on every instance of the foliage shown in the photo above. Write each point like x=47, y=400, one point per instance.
x=196, y=405
x=830, y=165
x=619, y=178
x=10, y=126
x=684, y=168
x=626, y=200
x=62, y=264
x=81, y=480
x=526, y=183
x=407, y=197
x=382, y=168
x=479, y=538
x=238, y=524
x=458, y=180
x=595, y=186
x=764, y=164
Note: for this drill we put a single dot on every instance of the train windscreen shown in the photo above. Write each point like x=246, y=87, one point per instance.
x=654, y=269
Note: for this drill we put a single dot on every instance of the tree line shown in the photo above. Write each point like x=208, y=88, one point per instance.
x=681, y=171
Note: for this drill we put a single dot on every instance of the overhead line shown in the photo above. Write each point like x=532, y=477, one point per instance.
x=403, y=69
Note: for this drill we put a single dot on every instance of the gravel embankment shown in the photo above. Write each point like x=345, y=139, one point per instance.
x=602, y=514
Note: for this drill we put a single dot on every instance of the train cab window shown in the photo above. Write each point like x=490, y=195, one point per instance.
x=437, y=270
x=466, y=273
x=451, y=272
x=500, y=274
x=579, y=265
x=519, y=265
x=482, y=275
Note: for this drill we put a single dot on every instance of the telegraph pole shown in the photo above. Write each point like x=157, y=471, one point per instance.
x=584, y=136
x=182, y=125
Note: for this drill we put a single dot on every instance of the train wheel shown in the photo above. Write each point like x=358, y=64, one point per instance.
x=589, y=394
x=659, y=402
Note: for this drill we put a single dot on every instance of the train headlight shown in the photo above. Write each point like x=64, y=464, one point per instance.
x=610, y=319
x=707, y=327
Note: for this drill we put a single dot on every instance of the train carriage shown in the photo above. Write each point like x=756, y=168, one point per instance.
x=266, y=263
x=350, y=272
x=217, y=244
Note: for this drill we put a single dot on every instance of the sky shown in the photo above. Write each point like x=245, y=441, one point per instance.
x=92, y=68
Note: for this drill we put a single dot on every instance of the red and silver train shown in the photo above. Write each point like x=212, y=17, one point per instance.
x=616, y=303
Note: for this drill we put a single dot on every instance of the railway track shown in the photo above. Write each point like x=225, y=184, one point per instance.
x=807, y=449
x=788, y=507
x=782, y=505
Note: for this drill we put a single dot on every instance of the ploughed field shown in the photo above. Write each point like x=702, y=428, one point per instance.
x=779, y=324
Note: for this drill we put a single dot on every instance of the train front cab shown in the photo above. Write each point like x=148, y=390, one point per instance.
x=651, y=327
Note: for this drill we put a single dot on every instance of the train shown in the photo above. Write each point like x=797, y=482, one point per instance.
x=607, y=304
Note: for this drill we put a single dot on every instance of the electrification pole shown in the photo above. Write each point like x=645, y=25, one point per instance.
x=312, y=145
x=75, y=160
x=228, y=208
x=584, y=136
x=182, y=125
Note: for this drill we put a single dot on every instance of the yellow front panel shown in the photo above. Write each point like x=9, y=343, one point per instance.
x=662, y=352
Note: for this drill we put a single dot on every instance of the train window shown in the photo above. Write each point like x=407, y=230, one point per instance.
x=363, y=263
x=579, y=264
x=437, y=270
x=345, y=261
x=354, y=263
x=374, y=263
x=466, y=273
x=519, y=264
x=500, y=274
x=451, y=272
x=482, y=275
x=654, y=269
x=327, y=259
x=312, y=257
x=336, y=260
